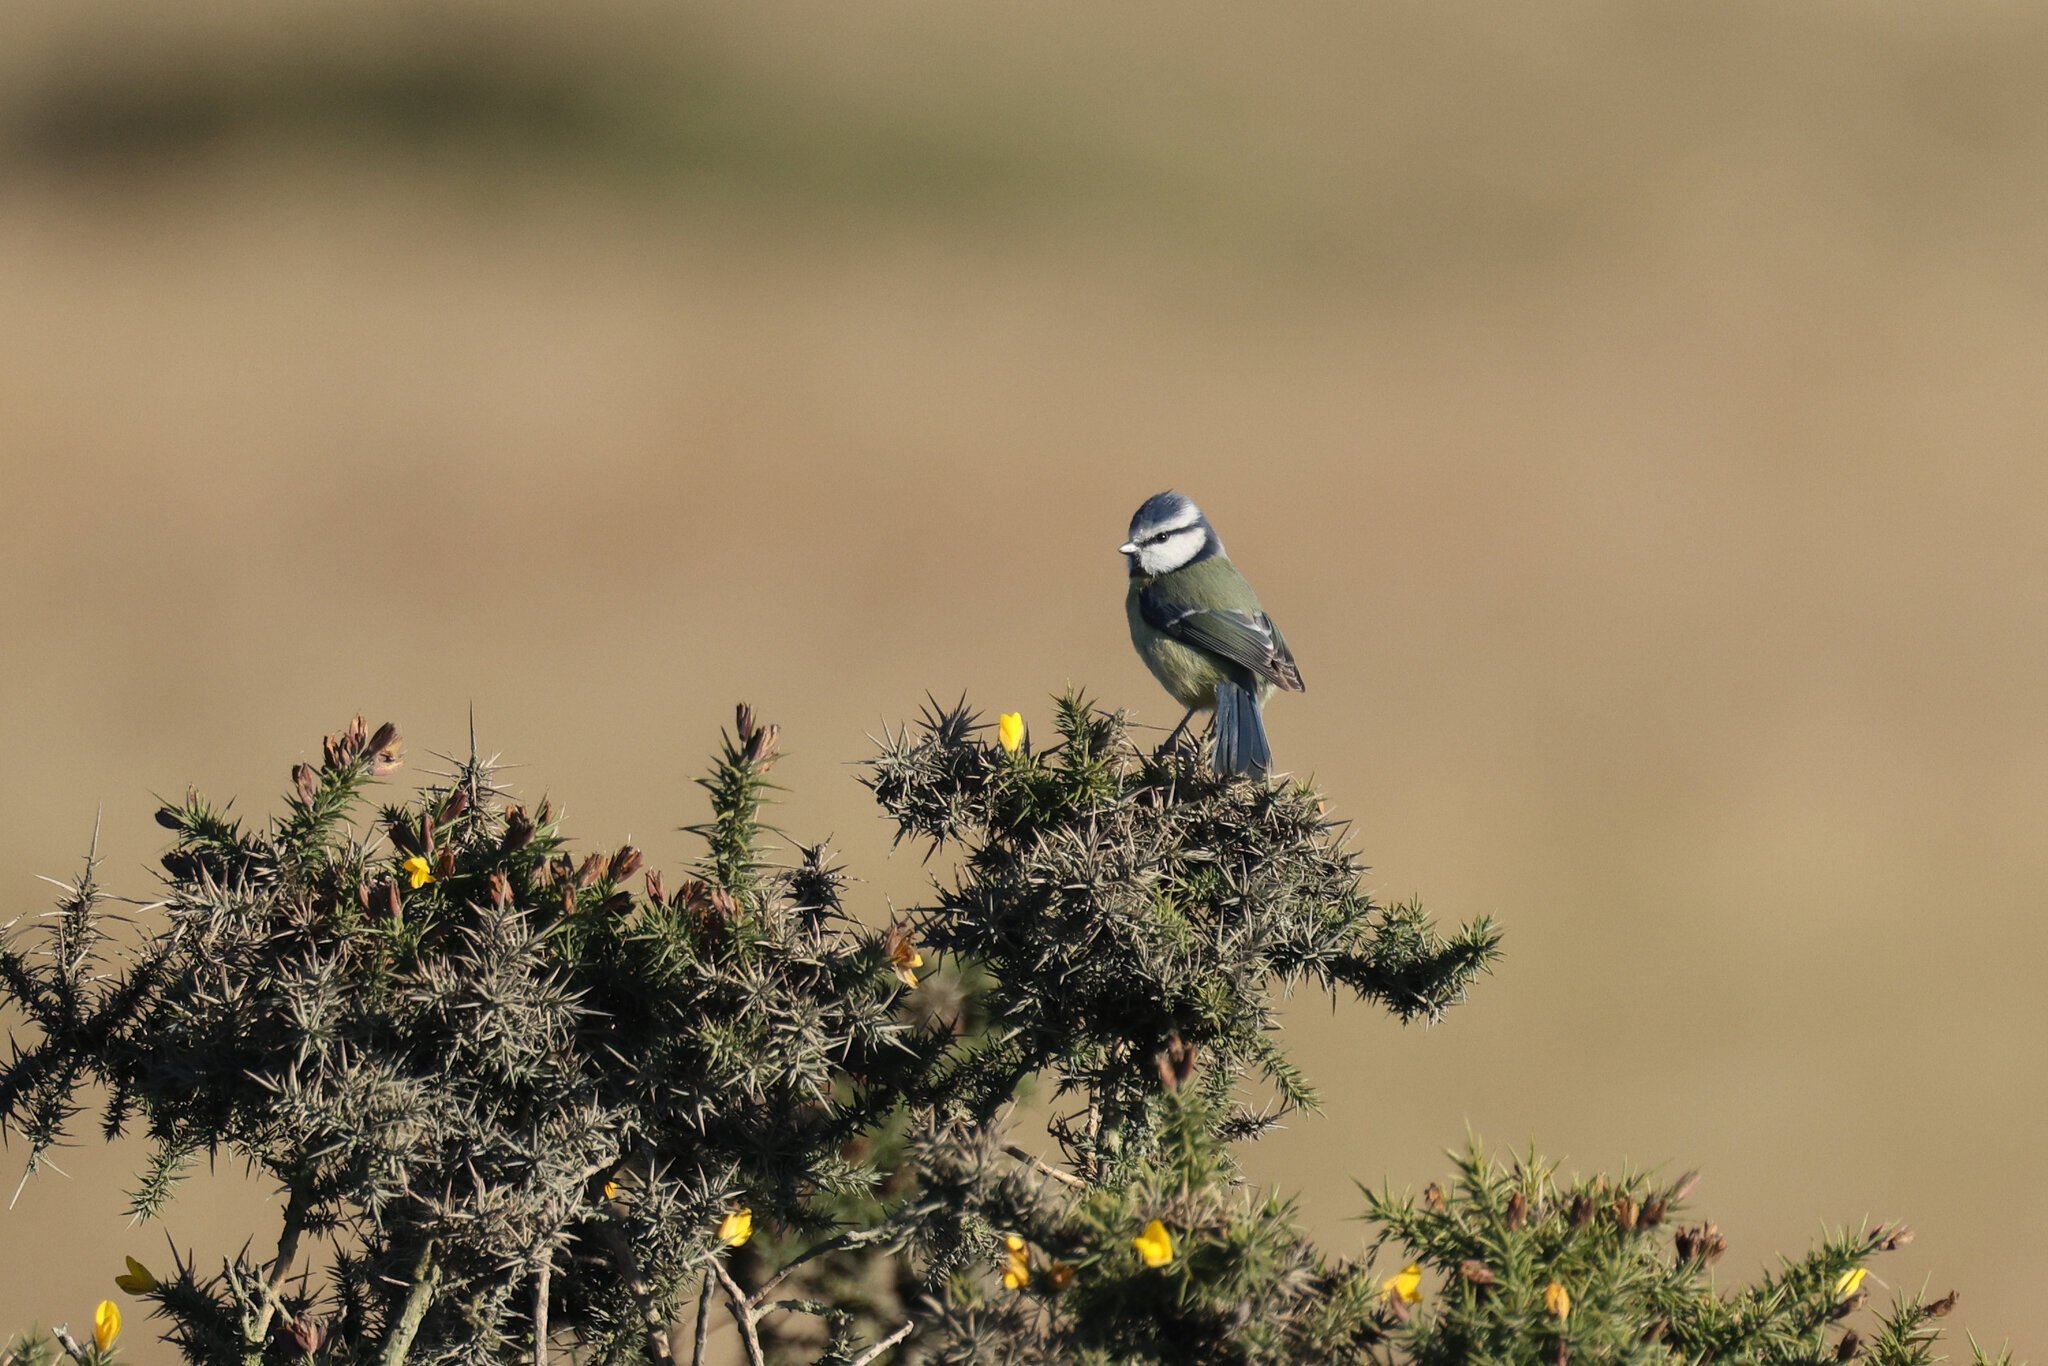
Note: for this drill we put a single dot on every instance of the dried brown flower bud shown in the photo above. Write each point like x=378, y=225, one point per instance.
x=1433, y=1197
x=1849, y=1346
x=1581, y=1210
x=618, y=903
x=1894, y=1238
x=501, y=890
x=1682, y=1189
x=1625, y=1213
x=385, y=737
x=357, y=732
x=518, y=829
x=394, y=905
x=308, y=1334
x=181, y=866
x=544, y=873
x=330, y=751
x=1176, y=1062
x=403, y=837
x=624, y=864
x=1518, y=1210
x=1702, y=1244
x=543, y=813
x=1653, y=1211
x=1656, y=1329
x=456, y=806
x=170, y=818
x=427, y=827
x=1476, y=1271
x=305, y=781
x=757, y=742
x=592, y=869
x=657, y=890
x=723, y=904
x=1942, y=1307
x=444, y=863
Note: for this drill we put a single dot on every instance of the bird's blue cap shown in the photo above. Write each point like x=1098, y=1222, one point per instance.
x=1163, y=510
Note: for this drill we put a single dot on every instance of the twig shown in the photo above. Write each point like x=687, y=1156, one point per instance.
x=417, y=1301
x=785, y=1307
x=884, y=1345
x=839, y=1243
x=258, y=1332
x=1054, y=1172
x=62, y=1332
x=540, y=1285
x=703, y=1322
x=643, y=1294
x=742, y=1314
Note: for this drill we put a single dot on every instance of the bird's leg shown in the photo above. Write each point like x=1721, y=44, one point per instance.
x=1177, y=731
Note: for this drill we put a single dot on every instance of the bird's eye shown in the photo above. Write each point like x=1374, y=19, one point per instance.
x=1160, y=539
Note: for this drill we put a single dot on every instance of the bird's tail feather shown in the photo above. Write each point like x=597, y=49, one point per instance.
x=1241, y=746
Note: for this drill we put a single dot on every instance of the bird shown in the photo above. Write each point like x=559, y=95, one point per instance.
x=1199, y=628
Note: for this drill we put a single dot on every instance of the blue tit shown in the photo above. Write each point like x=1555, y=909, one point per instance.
x=1200, y=630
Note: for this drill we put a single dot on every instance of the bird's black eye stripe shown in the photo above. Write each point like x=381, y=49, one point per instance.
x=1161, y=537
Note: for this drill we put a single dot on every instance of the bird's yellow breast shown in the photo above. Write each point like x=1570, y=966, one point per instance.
x=1187, y=673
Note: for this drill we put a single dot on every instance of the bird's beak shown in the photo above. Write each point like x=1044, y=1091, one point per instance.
x=1128, y=548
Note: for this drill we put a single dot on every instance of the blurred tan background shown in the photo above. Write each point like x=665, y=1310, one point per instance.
x=1633, y=412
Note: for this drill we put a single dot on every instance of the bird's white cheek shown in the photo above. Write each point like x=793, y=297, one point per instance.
x=1177, y=550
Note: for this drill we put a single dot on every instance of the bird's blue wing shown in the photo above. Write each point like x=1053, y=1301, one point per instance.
x=1245, y=638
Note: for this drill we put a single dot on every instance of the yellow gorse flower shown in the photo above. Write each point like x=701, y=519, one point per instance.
x=1016, y=1262
x=1405, y=1285
x=1154, y=1244
x=611, y=1190
x=418, y=871
x=1010, y=730
x=1557, y=1300
x=106, y=1324
x=736, y=1227
x=137, y=1281
x=1850, y=1281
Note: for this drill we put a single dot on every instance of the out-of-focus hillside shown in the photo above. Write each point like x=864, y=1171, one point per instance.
x=1633, y=414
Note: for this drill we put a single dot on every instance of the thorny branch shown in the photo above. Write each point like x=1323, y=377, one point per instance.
x=418, y=1300
x=429, y=1002
x=742, y=1313
x=296, y=1205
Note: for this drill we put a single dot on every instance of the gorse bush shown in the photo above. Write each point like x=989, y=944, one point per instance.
x=519, y=1100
